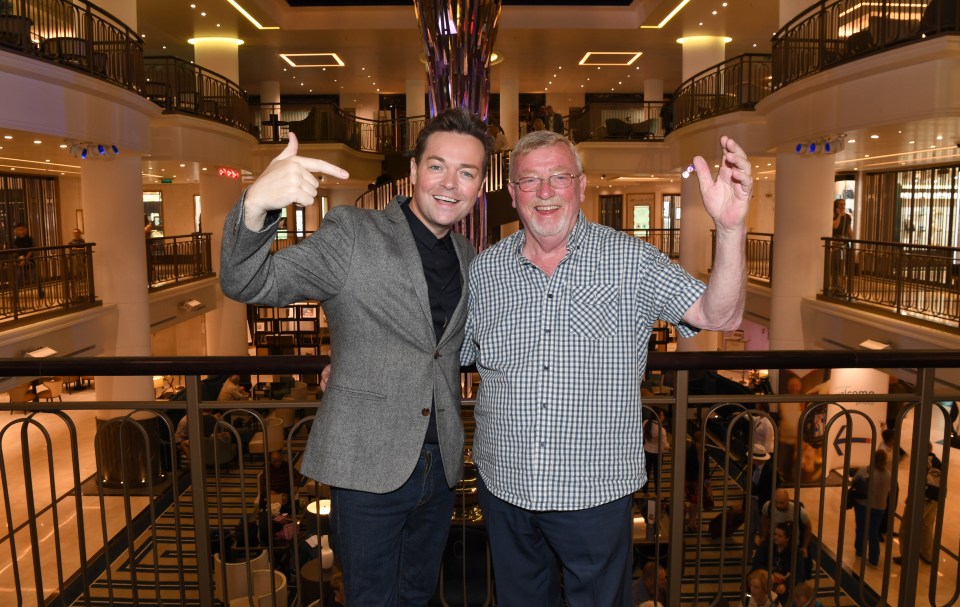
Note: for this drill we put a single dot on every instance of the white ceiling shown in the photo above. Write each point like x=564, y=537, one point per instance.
x=382, y=44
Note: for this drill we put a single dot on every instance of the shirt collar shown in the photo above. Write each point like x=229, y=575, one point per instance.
x=574, y=240
x=420, y=231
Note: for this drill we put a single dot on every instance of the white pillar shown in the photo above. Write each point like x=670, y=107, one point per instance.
x=701, y=52
x=510, y=109
x=791, y=8
x=803, y=215
x=652, y=90
x=226, y=323
x=218, y=55
x=113, y=189
x=695, y=250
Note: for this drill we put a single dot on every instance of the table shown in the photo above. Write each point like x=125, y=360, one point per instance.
x=275, y=123
x=313, y=580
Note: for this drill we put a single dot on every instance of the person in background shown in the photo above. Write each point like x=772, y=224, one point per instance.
x=559, y=320
x=803, y=596
x=499, y=138
x=784, y=509
x=652, y=586
x=388, y=438
x=655, y=443
x=77, y=244
x=934, y=493
x=552, y=120
x=842, y=229
x=758, y=583
x=786, y=566
x=232, y=390
x=875, y=503
x=26, y=263
x=842, y=222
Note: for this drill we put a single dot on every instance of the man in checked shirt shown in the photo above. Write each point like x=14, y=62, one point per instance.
x=559, y=318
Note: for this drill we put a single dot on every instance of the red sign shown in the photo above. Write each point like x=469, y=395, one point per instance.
x=228, y=172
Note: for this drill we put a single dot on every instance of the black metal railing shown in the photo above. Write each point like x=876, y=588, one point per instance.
x=618, y=121
x=46, y=279
x=665, y=239
x=288, y=238
x=910, y=280
x=759, y=253
x=498, y=174
x=735, y=85
x=832, y=32
x=174, y=260
x=77, y=34
x=182, y=86
x=121, y=478
x=327, y=123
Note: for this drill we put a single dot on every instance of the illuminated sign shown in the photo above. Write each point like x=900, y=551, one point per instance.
x=228, y=172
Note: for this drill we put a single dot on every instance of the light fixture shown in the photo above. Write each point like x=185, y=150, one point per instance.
x=322, y=60
x=871, y=344
x=610, y=58
x=215, y=39
x=191, y=305
x=42, y=352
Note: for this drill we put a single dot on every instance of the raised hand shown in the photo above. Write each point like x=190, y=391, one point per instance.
x=728, y=198
x=288, y=179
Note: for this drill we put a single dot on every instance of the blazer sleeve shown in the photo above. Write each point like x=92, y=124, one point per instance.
x=315, y=268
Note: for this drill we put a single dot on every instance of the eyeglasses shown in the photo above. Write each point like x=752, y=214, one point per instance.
x=557, y=182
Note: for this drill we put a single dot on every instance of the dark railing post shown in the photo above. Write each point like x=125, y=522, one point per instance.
x=677, y=518
x=899, y=278
x=199, y=482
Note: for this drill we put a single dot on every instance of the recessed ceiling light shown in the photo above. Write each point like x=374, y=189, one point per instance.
x=599, y=58
x=182, y=165
x=874, y=136
x=851, y=140
x=37, y=141
x=215, y=39
x=203, y=14
x=319, y=60
x=939, y=137
x=911, y=142
x=8, y=136
x=714, y=12
x=63, y=146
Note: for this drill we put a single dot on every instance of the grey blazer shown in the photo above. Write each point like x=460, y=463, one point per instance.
x=387, y=365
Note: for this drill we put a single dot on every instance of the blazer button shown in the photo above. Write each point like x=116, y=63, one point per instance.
x=425, y=412
x=436, y=355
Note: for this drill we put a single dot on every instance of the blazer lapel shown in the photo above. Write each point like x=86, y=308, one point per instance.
x=410, y=259
x=464, y=253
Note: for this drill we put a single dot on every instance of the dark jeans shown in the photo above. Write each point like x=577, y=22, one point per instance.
x=872, y=534
x=592, y=548
x=390, y=544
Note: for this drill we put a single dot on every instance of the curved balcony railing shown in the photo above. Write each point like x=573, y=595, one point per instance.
x=46, y=280
x=908, y=280
x=623, y=121
x=735, y=85
x=665, y=239
x=498, y=174
x=830, y=33
x=174, y=260
x=288, y=238
x=104, y=507
x=327, y=123
x=178, y=85
x=75, y=34
x=759, y=252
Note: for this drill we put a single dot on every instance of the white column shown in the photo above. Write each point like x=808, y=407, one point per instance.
x=226, y=323
x=791, y=8
x=652, y=90
x=701, y=52
x=695, y=250
x=510, y=109
x=803, y=215
x=124, y=10
x=219, y=55
x=113, y=193
x=416, y=106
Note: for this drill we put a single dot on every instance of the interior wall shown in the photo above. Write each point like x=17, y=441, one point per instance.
x=185, y=338
x=68, y=188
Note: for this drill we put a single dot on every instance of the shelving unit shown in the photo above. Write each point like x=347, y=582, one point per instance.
x=299, y=328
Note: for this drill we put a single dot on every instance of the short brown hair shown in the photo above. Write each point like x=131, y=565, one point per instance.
x=456, y=120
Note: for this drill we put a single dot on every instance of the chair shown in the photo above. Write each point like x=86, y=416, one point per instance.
x=264, y=592
x=645, y=129
x=617, y=128
x=52, y=389
x=71, y=382
x=218, y=451
x=236, y=576
x=22, y=394
x=269, y=439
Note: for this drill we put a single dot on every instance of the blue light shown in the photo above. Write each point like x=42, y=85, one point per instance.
x=102, y=150
x=813, y=148
x=799, y=148
x=826, y=147
x=83, y=154
x=115, y=149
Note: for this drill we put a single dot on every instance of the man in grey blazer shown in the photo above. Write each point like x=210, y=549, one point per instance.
x=387, y=437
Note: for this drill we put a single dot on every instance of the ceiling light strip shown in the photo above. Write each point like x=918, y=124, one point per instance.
x=250, y=18
x=667, y=19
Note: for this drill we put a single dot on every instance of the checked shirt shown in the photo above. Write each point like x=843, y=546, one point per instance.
x=561, y=359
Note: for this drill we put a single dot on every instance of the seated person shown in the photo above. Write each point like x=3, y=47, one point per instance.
x=652, y=586
x=182, y=434
x=232, y=390
x=280, y=485
x=758, y=583
x=780, y=560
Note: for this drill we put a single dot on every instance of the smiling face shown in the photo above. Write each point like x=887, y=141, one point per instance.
x=548, y=214
x=447, y=180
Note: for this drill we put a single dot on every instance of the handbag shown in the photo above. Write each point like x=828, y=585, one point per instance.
x=858, y=490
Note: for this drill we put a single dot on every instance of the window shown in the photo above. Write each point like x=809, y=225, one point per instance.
x=153, y=212
x=611, y=211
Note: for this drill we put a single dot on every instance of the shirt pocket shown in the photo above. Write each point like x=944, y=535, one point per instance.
x=593, y=310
